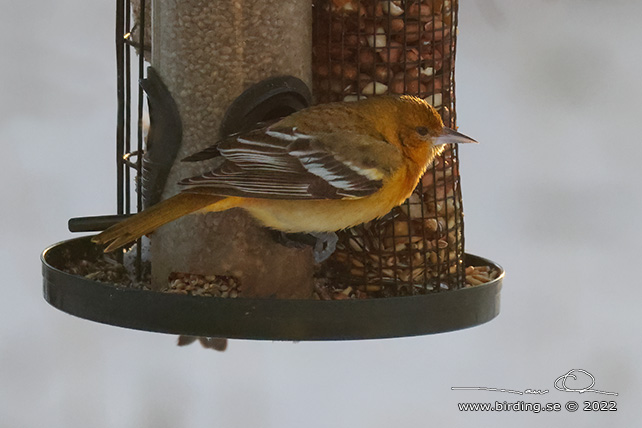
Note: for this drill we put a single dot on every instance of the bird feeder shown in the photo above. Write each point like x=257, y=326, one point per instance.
x=211, y=69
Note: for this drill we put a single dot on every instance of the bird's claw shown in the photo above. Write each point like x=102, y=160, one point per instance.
x=323, y=243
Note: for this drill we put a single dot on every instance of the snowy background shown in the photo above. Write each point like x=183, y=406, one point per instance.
x=551, y=89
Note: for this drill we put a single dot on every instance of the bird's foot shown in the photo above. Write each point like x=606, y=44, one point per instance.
x=323, y=243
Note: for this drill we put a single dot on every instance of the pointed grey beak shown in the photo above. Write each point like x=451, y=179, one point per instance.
x=450, y=136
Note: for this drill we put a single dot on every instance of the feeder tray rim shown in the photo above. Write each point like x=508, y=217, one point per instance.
x=265, y=318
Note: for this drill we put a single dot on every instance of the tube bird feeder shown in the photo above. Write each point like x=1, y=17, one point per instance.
x=211, y=69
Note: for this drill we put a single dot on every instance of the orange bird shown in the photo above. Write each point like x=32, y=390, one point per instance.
x=319, y=170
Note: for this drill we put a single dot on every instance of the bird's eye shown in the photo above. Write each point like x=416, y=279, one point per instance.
x=422, y=130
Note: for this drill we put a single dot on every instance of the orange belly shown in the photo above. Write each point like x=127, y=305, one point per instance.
x=326, y=215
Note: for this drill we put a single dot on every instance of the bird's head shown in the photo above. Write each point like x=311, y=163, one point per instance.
x=421, y=130
x=421, y=122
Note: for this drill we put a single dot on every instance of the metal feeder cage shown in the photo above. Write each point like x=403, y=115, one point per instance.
x=211, y=69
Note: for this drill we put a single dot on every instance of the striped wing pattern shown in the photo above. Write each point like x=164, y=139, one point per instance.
x=281, y=163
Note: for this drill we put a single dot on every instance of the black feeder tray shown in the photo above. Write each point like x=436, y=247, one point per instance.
x=268, y=319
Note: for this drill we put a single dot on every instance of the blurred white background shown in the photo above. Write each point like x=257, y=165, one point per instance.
x=551, y=89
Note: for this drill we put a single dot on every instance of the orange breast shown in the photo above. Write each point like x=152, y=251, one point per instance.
x=331, y=215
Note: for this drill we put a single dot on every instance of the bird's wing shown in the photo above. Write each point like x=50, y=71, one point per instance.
x=282, y=163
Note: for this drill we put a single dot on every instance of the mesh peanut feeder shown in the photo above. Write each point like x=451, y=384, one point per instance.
x=364, y=49
x=211, y=69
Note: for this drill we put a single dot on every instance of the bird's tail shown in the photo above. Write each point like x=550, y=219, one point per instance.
x=154, y=217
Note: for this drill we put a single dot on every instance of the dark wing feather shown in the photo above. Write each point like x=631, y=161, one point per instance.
x=208, y=153
x=285, y=164
x=212, y=151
